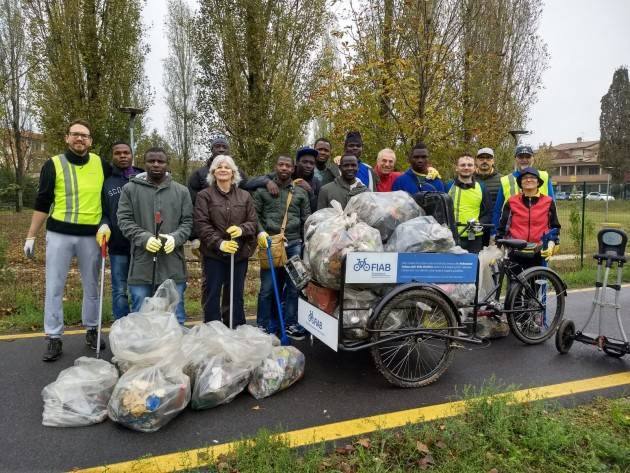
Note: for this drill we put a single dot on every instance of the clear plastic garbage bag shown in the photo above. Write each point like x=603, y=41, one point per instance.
x=460, y=294
x=421, y=235
x=217, y=381
x=197, y=346
x=280, y=370
x=146, y=338
x=241, y=348
x=332, y=240
x=146, y=399
x=358, y=307
x=80, y=394
x=384, y=210
x=165, y=299
x=487, y=257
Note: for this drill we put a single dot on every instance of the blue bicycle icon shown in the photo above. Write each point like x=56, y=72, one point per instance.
x=361, y=264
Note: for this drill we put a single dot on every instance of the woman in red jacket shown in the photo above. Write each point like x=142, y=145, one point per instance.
x=531, y=216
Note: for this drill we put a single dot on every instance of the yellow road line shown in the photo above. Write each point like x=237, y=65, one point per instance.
x=19, y=336
x=350, y=428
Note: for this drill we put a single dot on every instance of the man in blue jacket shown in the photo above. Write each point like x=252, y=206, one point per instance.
x=118, y=245
x=420, y=176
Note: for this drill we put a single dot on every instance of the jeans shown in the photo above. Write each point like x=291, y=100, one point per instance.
x=267, y=314
x=140, y=291
x=220, y=271
x=120, y=299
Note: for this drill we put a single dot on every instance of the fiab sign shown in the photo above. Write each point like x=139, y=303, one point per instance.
x=324, y=327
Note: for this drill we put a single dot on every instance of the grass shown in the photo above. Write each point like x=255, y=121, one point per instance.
x=576, y=277
x=494, y=435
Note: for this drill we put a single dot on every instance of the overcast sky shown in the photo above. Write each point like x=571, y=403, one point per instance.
x=586, y=39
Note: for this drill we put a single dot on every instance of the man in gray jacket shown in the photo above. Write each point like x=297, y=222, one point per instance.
x=144, y=196
x=343, y=187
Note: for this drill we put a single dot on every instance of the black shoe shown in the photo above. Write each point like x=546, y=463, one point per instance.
x=90, y=339
x=296, y=332
x=53, y=351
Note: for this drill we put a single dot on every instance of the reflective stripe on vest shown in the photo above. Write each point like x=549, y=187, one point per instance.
x=510, y=186
x=529, y=223
x=466, y=203
x=77, y=191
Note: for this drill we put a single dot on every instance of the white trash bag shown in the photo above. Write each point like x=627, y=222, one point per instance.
x=357, y=309
x=488, y=256
x=332, y=240
x=147, y=338
x=384, y=210
x=280, y=370
x=146, y=399
x=421, y=235
x=218, y=380
x=80, y=394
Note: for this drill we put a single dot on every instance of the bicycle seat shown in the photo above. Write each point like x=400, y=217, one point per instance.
x=512, y=243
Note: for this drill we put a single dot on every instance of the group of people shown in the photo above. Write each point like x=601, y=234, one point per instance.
x=145, y=218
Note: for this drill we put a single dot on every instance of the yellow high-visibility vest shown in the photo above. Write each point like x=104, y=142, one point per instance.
x=466, y=203
x=510, y=187
x=78, y=190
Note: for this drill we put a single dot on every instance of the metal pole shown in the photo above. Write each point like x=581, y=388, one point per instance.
x=607, y=194
x=583, y=220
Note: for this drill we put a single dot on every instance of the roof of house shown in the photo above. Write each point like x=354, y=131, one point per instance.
x=575, y=145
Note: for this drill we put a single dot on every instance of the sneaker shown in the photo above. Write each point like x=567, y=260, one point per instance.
x=263, y=329
x=53, y=351
x=90, y=339
x=296, y=332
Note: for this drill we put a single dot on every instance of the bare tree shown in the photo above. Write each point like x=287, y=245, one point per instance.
x=179, y=81
x=15, y=98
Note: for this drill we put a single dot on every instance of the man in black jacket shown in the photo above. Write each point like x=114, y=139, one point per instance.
x=119, y=248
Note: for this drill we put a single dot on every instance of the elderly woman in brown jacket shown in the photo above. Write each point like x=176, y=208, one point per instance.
x=225, y=221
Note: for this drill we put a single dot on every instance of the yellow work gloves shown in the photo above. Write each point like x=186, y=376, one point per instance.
x=262, y=240
x=169, y=242
x=103, y=233
x=552, y=249
x=234, y=231
x=229, y=246
x=153, y=245
x=433, y=173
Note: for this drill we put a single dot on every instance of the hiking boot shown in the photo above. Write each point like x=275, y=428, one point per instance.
x=53, y=351
x=296, y=332
x=90, y=339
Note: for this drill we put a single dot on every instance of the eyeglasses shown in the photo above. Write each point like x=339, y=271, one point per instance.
x=75, y=134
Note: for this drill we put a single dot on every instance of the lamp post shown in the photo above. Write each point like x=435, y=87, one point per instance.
x=133, y=112
x=516, y=133
x=607, y=189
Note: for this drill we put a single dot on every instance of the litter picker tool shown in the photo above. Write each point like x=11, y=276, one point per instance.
x=100, y=297
x=158, y=225
x=284, y=340
x=232, y=290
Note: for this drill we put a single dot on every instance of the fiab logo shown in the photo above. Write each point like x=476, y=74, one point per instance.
x=365, y=265
x=314, y=321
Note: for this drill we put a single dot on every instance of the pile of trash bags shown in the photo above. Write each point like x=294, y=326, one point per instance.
x=422, y=235
x=332, y=237
x=165, y=367
x=384, y=210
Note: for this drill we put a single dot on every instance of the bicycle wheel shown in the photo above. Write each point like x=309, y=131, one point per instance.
x=565, y=336
x=417, y=360
x=536, y=305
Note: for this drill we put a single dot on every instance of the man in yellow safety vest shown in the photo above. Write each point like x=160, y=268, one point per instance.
x=471, y=202
x=69, y=201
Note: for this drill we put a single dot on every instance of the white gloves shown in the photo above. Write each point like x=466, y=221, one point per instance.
x=29, y=247
x=169, y=243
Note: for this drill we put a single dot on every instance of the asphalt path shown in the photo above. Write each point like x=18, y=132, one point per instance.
x=336, y=387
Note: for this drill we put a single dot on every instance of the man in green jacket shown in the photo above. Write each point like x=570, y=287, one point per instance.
x=146, y=194
x=271, y=211
x=343, y=187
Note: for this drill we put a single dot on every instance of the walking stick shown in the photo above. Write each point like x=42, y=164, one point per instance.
x=232, y=291
x=158, y=225
x=284, y=340
x=100, y=302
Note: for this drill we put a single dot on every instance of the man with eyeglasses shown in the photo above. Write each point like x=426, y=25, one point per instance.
x=69, y=201
x=524, y=157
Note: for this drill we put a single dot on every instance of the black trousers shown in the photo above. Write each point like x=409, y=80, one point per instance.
x=217, y=276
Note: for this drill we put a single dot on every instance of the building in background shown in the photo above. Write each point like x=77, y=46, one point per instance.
x=572, y=164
